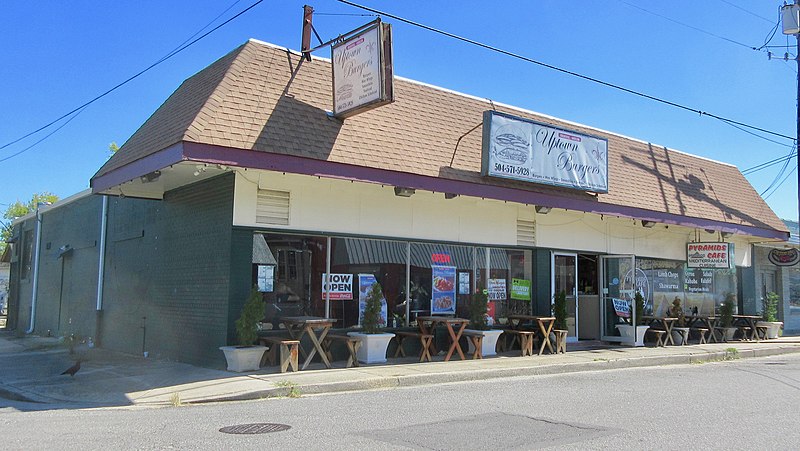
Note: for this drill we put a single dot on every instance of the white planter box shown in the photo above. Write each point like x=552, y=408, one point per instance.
x=243, y=358
x=773, y=328
x=626, y=331
x=373, y=346
x=489, y=343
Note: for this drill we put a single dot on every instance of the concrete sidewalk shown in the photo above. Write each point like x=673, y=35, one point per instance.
x=32, y=366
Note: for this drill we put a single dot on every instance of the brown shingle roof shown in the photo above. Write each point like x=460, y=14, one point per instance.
x=249, y=100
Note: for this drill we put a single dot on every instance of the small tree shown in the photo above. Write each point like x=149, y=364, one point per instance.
x=371, y=321
x=560, y=310
x=252, y=313
x=770, y=307
x=477, y=310
x=726, y=310
x=638, y=318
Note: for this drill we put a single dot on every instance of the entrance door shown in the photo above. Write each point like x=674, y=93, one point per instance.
x=617, y=283
x=565, y=275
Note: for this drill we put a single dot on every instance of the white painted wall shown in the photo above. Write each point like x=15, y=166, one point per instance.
x=340, y=206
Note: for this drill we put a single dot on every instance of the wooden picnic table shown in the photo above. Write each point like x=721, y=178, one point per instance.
x=545, y=324
x=747, y=324
x=316, y=328
x=709, y=322
x=427, y=323
x=665, y=322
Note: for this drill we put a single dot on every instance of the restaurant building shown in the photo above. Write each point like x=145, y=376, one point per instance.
x=246, y=176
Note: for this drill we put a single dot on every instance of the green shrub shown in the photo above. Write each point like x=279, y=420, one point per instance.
x=726, y=310
x=637, y=318
x=477, y=310
x=252, y=313
x=371, y=322
x=560, y=310
x=770, y=307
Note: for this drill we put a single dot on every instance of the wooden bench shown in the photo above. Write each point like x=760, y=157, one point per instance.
x=561, y=340
x=661, y=339
x=525, y=340
x=425, y=341
x=288, y=351
x=723, y=336
x=762, y=331
x=352, y=344
x=746, y=331
x=476, y=337
x=702, y=332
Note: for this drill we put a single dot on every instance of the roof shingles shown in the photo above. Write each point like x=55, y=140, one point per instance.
x=249, y=99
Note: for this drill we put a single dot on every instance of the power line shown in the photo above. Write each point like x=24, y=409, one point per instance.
x=565, y=71
x=119, y=85
x=745, y=10
x=781, y=183
x=700, y=30
x=78, y=112
x=769, y=163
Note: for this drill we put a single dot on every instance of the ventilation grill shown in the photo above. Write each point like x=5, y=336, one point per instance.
x=526, y=233
x=272, y=207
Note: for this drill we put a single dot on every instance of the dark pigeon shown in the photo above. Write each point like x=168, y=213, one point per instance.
x=73, y=369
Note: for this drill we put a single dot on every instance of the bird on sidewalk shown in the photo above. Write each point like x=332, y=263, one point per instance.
x=73, y=369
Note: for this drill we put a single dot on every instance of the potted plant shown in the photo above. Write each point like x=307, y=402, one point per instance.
x=679, y=332
x=478, y=323
x=726, y=310
x=373, y=342
x=634, y=332
x=246, y=356
x=769, y=313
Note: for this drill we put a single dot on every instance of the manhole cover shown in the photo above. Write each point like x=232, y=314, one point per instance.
x=255, y=428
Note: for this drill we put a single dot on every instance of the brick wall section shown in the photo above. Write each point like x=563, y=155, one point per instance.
x=169, y=262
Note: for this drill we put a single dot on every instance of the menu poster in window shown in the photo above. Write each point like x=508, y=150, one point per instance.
x=521, y=289
x=497, y=289
x=266, y=278
x=365, y=282
x=463, y=283
x=341, y=287
x=443, y=301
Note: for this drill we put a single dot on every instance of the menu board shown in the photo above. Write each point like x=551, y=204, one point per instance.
x=443, y=301
x=365, y=282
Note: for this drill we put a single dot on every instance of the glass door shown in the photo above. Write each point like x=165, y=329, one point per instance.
x=618, y=286
x=565, y=275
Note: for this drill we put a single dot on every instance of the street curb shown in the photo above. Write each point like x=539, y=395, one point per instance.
x=414, y=380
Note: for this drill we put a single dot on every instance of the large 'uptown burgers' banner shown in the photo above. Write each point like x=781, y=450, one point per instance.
x=524, y=150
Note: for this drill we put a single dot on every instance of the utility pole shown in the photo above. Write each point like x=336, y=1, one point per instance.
x=790, y=15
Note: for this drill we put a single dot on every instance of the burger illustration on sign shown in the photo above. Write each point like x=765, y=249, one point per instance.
x=510, y=145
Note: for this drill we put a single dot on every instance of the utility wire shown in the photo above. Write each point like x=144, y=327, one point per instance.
x=565, y=71
x=747, y=11
x=767, y=164
x=76, y=113
x=781, y=183
x=779, y=174
x=119, y=85
x=699, y=30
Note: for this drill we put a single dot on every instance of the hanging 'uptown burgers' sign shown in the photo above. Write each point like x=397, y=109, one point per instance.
x=362, y=70
x=520, y=149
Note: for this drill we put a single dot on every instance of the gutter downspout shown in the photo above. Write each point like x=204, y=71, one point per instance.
x=101, y=265
x=36, y=254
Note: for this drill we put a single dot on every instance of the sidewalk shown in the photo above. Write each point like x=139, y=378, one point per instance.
x=32, y=366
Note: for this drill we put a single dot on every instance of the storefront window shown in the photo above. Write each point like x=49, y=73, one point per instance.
x=289, y=274
x=360, y=260
x=441, y=279
x=509, y=281
x=794, y=291
x=699, y=290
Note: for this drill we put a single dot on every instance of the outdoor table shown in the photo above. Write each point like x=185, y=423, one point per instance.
x=741, y=321
x=427, y=323
x=316, y=328
x=667, y=322
x=706, y=321
x=545, y=324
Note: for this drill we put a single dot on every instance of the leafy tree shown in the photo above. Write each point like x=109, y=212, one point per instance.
x=18, y=209
x=113, y=147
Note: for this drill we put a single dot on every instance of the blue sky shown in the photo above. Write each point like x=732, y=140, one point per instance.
x=59, y=55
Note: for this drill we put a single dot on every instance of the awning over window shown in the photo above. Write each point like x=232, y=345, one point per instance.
x=371, y=252
x=261, y=253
